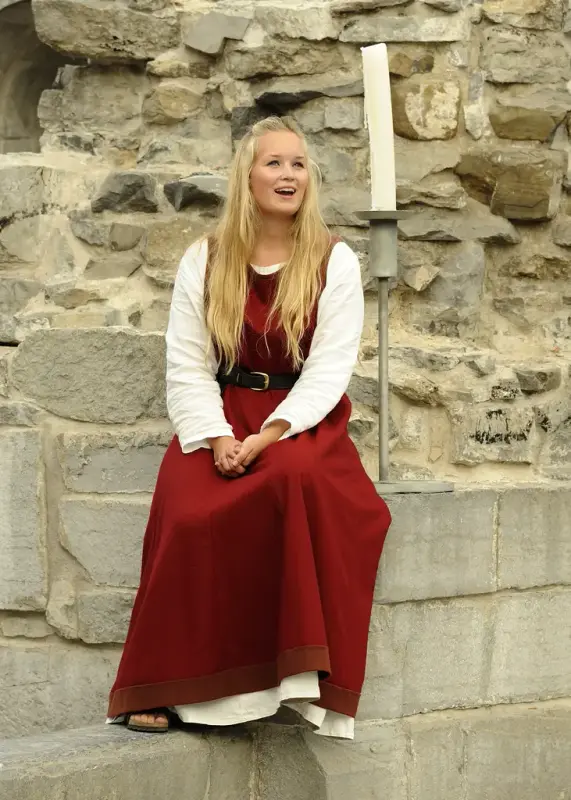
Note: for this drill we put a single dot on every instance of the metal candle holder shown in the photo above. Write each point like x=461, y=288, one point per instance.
x=383, y=266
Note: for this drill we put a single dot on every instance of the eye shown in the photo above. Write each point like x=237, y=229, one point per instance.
x=299, y=164
x=274, y=161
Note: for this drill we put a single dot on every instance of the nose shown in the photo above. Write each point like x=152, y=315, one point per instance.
x=287, y=172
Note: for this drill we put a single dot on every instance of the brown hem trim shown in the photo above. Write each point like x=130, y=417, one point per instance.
x=241, y=680
x=335, y=698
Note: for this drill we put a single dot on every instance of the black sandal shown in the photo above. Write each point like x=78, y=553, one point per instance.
x=149, y=727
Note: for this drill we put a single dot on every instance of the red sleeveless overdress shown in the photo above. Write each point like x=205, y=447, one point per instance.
x=246, y=581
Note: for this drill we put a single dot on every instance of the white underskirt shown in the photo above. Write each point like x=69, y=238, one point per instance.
x=296, y=691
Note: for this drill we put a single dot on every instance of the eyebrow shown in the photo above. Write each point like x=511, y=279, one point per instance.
x=278, y=155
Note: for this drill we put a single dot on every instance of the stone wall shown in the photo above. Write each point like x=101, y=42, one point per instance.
x=138, y=135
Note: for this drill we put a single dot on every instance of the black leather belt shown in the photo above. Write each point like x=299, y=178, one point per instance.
x=257, y=381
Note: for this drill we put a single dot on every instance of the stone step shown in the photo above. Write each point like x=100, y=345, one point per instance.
x=517, y=752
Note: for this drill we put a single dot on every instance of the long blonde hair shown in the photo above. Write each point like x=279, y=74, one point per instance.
x=233, y=243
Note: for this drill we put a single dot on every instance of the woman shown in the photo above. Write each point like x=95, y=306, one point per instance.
x=264, y=536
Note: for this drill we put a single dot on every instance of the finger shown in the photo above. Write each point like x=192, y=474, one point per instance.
x=240, y=457
x=252, y=455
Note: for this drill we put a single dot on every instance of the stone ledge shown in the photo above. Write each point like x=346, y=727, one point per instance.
x=517, y=752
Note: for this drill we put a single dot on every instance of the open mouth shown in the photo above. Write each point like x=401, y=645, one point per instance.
x=289, y=192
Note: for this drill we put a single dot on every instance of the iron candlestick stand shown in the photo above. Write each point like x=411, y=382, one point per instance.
x=383, y=266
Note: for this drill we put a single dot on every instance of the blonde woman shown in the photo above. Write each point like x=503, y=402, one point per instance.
x=265, y=533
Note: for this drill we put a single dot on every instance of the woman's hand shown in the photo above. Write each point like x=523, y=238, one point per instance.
x=225, y=449
x=253, y=445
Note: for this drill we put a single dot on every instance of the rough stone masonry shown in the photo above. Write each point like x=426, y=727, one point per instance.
x=109, y=173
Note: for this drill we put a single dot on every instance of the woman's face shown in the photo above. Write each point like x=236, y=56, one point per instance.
x=279, y=174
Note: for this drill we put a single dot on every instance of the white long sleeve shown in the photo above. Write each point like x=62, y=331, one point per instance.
x=194, y=400
x=334, y=350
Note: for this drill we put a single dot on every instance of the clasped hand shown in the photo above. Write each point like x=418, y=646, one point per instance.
x=232, y=457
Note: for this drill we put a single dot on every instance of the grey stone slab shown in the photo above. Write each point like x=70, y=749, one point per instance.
x=23, y=558
x=127, y=461
x=106, y=535
x=438, y=545
x=534, y=542
x=426, y=656
x=531, y=647
x=379, y=28
x=105, y=762
x=51, y=685
x=436, y=757
x=103, y=614
x=94, y=375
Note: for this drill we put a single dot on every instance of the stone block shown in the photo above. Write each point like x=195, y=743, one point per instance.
x=5, y=355
x=112, y=265
x=356, y=6
x=104, y=31
x=534, y=379
x=556, y=457
x=202, y=190
x=513, y=56
x=474, y=221
x=21, y=189
x=534, y=537
x=105, y=535
x=517, y=184
x=173, y=100
x=180, y=63
x=93, y=763
x=208, y=32
x=313, y=22
x=425, y=656
x=28, y=627
x=127, y=191
x=426, y=109
x=15, y=293
x=540, y=14
x=23, y=558
x=436, y=762
x=103, y=615
x=261, y=57
x=531, y=647
x=106, y=462
x=52, y=685
x=492, y=433
x=95, y=375
x=373, y=28
x=165, y=244
x=18, y=413
x=439, y=545
x=529, y=115
x=61, y=612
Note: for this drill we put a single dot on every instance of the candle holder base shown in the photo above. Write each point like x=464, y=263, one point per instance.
x=413, y=487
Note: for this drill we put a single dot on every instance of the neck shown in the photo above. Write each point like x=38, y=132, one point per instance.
x=274, y=230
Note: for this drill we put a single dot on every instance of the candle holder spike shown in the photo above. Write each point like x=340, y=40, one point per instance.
x=383, y=265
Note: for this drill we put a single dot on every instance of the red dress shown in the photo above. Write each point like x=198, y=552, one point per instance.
x=249, y=580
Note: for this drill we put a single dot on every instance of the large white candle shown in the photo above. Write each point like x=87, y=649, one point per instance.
x=379, y=121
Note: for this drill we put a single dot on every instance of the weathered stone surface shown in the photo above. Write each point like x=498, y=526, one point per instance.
x=19, y=413
x=179, y=63
x=538, y=14
x=297, y=22
x=538, y=378
x=425, y=109
x=285, y=94
x=174, y=100
x=208, y=32
x=450, y=6
x=556, y=458
x=207, y=143
x=357, y=6
x=424, y=656
x=104, y=614
x=456, y=533
x=5, y=354
x=420, y=277
x=529, y=115
x=201, y=189
x=127, y=191
x=561, y=231
x=474, y=221
x=28, y=627
x=49, y=686
x=23, y=567
x=552, y=412
x=513, y=56
x=517, y=184
x=439, y=191
x=61, y=612
x=105, y=535
x=380, y=28
x=15, y=292
x=261, y=57
x=93, y=375
x=94, y=99
x=21, y=190
x=413, y=385
x=123, y=236
x=165, y=245
x=534, y=527
x=90, y=229
x=107, y=462
x=113, y=265
x=406, y=63
x=417, y=160
x=495, y=433
x=520, y=670
x=103, y=31
x=475, y=108
x=435, y=359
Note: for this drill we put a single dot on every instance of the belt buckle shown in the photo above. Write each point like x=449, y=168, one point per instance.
x=266, y=378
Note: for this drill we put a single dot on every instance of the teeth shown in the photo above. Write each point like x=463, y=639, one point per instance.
x=285, y=191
